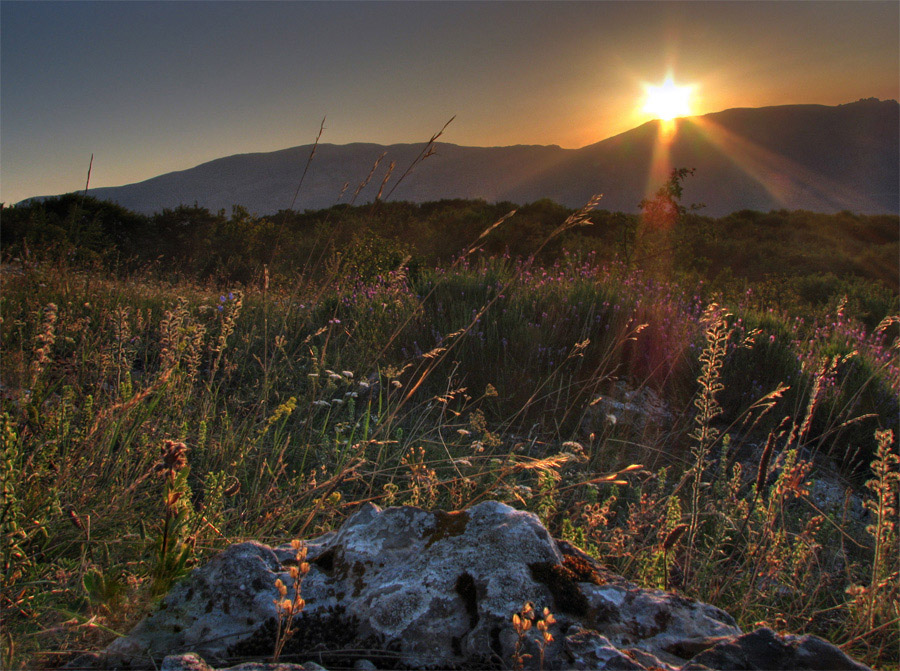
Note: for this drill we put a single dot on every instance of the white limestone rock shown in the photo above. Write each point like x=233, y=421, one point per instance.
x=409, y=588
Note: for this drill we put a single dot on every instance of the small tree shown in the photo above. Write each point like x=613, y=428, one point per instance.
x=662, y=218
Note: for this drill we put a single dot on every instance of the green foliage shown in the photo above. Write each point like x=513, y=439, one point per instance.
x=369, y=255
x=802, y=260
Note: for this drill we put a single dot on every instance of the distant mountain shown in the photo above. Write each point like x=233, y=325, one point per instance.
x=811, y=157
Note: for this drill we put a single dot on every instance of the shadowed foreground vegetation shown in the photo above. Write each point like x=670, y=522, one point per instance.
x=657, y=395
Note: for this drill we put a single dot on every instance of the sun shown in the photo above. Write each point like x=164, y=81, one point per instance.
x=668, y=101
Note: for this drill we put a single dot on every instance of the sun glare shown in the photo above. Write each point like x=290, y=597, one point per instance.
x=668, y=101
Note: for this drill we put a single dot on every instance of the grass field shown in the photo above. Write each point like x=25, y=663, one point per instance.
x=618, y=403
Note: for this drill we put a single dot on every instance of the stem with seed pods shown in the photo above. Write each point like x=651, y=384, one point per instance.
x=705, y=434
x=288, y=609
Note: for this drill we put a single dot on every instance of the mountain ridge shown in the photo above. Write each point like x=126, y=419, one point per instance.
x=810, y=156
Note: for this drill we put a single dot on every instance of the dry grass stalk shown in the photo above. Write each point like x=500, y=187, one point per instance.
x=427, y=151
x=125, y=406
x=312, y=153
x=384, y=181
x=362, y=185
x=763, y=470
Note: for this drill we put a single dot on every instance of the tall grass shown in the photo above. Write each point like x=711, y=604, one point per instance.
x=147, y=424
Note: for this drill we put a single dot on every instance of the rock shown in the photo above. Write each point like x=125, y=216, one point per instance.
x=829, y=493
x=188, y=662
x=220, y=604
x=193, y=662
x=408, y=588
x=636, y=411
x=587, y=649
x=763, y=649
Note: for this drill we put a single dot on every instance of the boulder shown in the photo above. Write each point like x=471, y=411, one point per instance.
x=638, y=412
x=408, y=588
x=193, y=662
x=764, y=649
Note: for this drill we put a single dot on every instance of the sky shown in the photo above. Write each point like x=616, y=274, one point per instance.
x=153, y=87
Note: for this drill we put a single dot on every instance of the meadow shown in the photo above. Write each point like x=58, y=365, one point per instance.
x=660, y=397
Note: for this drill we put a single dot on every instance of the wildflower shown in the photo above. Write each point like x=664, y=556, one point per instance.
x=174, y=459
x=174, y=455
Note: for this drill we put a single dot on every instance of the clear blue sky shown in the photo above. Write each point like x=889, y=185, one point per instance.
x=152, y=87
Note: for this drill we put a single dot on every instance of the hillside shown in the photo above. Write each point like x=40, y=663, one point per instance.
x=813, y=157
